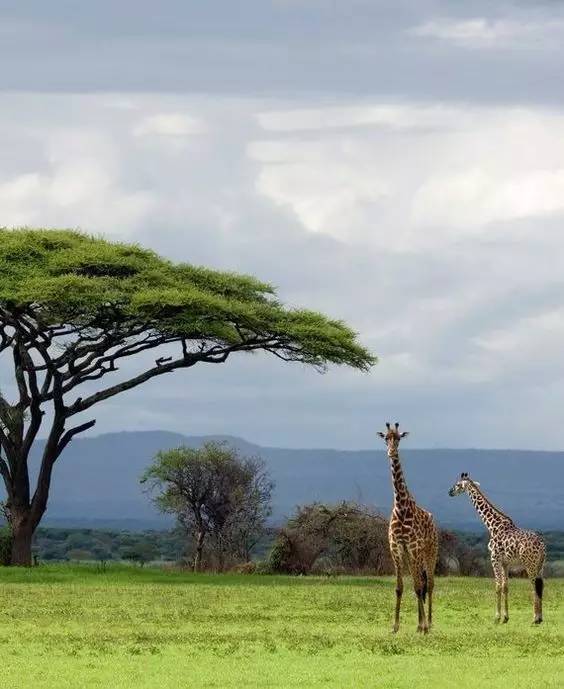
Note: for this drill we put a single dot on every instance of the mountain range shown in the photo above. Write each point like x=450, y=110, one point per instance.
x=96, y=480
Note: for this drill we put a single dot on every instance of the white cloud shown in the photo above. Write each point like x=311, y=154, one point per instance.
x=529, y=346
x=476, y=197
x=483, y=32
x=449, y=250
x=79, y=184
x=169, y=124
x=431, y=175
x=395, y=116
x=323, y=193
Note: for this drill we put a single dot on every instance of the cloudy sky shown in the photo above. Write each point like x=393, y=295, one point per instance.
x=399, y=165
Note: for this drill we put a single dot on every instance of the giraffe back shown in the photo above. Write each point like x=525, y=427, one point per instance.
x=515, y=545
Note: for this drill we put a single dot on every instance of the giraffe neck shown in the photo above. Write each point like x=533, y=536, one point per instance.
x=492, y=517
x=401, y=494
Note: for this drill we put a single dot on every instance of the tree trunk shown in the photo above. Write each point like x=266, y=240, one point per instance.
x=22, y=534
x=199, y=548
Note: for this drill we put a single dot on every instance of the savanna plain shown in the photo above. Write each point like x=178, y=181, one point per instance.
x=65, y=626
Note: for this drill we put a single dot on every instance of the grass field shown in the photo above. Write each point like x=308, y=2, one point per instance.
x=65, y=627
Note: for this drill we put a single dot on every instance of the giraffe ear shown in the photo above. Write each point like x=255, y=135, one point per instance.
x=475, y=483
x=402, y=435
x=382, y=435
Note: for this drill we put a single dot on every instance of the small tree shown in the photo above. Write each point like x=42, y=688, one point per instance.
x=214, y=494
x=102, y=553
x=251, y=507
x=72, y=307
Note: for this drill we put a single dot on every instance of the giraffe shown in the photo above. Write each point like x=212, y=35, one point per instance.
x=508, y=543
x=412, y=537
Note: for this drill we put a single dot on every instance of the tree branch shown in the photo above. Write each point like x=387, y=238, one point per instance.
x=69, y=435
x=81, y=405
x=6, y=475
x=215, y=355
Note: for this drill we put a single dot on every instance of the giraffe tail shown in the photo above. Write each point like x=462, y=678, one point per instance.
x=424, y=590
x=539, y=586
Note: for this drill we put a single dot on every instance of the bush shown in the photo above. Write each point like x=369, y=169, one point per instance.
x=294, y=552
x=346, y=538
x=245, y=568
x=262, y=567
x=458, y=556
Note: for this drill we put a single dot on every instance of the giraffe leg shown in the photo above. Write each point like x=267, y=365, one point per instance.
x=430, y=587
x=420, y=585
x=399, y=589
x=504, y=590
x=498, y=576
x=538, y=586
x=534, y=570
x=431, y=566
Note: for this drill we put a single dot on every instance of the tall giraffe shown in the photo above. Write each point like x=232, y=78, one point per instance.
x=508, y=543
x=412, y=536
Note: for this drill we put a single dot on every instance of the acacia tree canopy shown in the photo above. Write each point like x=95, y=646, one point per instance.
x=72, y=306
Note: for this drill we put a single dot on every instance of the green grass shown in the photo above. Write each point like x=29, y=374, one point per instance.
x=64, y=627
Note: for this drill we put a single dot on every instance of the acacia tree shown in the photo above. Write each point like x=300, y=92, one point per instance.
x=72, y=307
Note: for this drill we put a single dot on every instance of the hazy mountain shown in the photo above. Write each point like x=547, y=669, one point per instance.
x=97, y=480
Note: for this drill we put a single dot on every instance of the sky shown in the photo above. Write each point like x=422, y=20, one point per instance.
x=398, y=165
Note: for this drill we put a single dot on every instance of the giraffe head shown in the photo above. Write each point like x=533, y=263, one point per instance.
x=462, y=484
x=392, y=436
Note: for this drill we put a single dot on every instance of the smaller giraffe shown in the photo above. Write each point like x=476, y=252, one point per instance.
x=508, y=544
x=412, y=536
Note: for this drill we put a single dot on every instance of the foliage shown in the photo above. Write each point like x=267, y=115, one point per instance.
x=64, y=277
x=217, y=496
x=343, y=538
x=79, y=554
x=351, y=538
x=140, y=553
x=56, y=544
x=458, y=554
x=141, y=628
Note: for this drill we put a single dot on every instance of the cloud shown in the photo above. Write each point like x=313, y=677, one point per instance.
x=523, y=33
x=78, y=184
x=361, y=50
x=433, y=229
x=412, y=176
x=169, y=124
x=395, y=116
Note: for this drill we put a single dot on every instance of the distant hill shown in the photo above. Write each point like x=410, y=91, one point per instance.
x=96, y=480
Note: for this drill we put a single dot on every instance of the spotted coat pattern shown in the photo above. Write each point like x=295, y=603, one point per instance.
x=508, y=545
x=412, y=536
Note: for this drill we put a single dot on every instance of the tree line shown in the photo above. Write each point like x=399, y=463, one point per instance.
x=222, y=502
